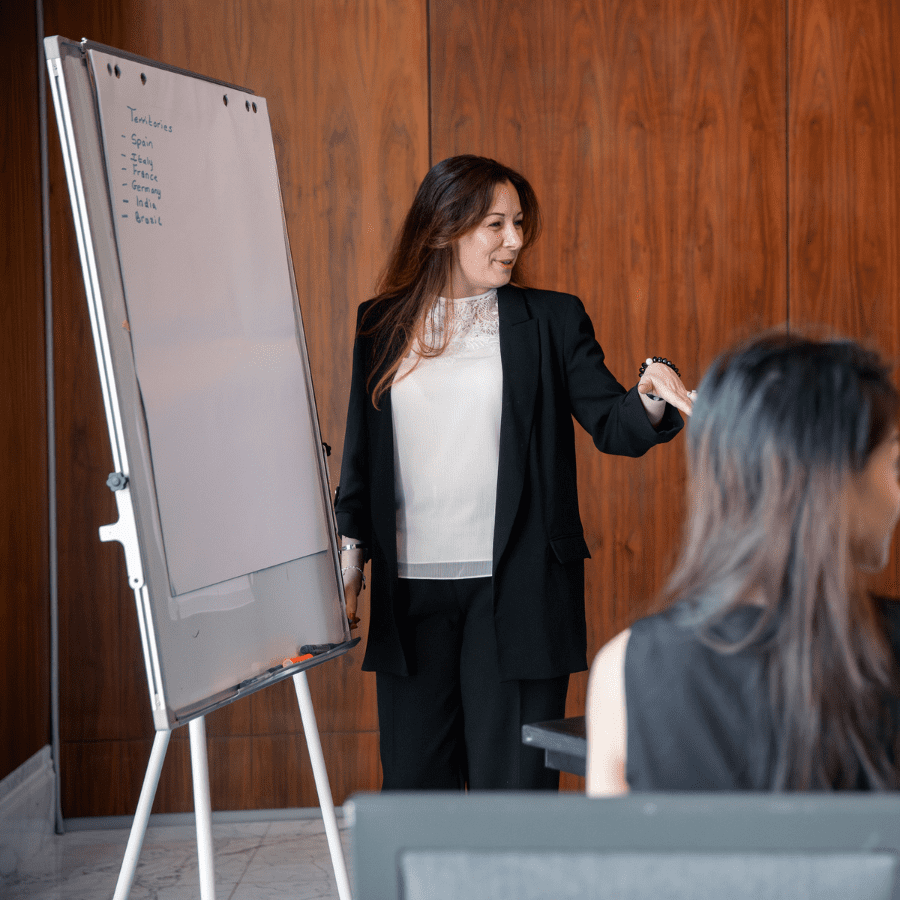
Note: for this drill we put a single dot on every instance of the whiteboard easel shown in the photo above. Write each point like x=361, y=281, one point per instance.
x=202, y=808
x=209, y=635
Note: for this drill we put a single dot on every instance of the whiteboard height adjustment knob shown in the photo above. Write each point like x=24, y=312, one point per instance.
x=116, y=481
x=125, y=531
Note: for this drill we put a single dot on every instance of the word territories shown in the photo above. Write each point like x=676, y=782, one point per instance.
x=142, y=201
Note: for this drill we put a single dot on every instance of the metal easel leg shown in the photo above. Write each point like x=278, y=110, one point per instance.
x=202, y=808
x=323, y=787
x=142, y=815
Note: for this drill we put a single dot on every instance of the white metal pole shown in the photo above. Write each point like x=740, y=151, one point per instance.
x=202, y=808
x=142, y=815
x=323, y=787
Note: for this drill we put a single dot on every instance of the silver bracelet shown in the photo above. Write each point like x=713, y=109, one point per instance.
x=356, y=546
x=358, y=569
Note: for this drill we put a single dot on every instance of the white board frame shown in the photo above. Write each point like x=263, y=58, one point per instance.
x=171, y=651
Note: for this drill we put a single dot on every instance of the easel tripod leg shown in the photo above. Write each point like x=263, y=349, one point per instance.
x=202, y=808
x=323, y=787
x=142, y=815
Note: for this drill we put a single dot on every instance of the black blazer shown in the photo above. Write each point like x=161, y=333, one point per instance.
x=552, y=370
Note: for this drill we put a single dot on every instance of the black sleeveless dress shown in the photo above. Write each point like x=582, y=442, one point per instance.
x=700, y=719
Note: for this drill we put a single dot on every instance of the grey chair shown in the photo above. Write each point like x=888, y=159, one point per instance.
x=525, y=846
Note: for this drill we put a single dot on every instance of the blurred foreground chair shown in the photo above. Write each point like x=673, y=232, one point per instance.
x=525, y=846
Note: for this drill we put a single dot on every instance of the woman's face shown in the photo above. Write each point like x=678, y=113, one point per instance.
x=873, y=498
x=484, y=257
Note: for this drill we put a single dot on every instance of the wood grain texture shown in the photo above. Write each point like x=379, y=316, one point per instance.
x=844, y=163
x=611, y=119
x=654, y=134
x=24, y=579
x=346, y=87
x=267, y=771
x=103, y=689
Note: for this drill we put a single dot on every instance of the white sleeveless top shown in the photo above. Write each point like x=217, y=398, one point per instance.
x=446, y=417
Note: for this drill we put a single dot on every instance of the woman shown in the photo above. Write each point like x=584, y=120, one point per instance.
x=771, y=668
x=458, y=481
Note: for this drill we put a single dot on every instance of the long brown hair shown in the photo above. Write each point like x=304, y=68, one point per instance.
x=778, y=428
x=453, y=198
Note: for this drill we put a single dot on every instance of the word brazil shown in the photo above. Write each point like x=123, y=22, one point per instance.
x=147, y=220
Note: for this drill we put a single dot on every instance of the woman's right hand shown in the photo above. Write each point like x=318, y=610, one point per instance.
x=661, y=381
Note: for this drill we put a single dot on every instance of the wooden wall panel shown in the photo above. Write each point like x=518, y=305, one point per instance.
x=844, y=164
x=654, y=134
x=24, y=582
x=104, y=704
x=346, y=84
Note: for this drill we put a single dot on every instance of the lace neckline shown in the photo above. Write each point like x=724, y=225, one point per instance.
x=474, y=323
x=487, y=295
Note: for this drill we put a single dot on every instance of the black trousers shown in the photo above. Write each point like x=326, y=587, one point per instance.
x=452, y=723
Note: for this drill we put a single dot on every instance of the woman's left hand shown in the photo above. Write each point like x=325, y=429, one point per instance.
x=661, y=381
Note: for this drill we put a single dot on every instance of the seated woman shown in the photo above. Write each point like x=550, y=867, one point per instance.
x=770, y=666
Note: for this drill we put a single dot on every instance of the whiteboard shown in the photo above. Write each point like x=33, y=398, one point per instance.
x=225, y=513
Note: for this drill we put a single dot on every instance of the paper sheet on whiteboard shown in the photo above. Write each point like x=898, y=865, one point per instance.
x=199, y=227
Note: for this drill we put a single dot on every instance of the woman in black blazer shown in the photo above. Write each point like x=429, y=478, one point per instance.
x=458, y=482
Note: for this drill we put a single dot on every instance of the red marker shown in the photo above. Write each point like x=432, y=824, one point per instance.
x=296, y=659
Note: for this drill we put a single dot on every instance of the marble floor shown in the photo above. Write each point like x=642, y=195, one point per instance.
x=254, y=860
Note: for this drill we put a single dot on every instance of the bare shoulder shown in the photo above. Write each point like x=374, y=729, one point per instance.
x=610, y=659
x=607, y=720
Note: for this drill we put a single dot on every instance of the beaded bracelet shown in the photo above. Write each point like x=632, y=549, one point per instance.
x=659, y=359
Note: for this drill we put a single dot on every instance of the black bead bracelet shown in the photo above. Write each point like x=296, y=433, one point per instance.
x=658, y=359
